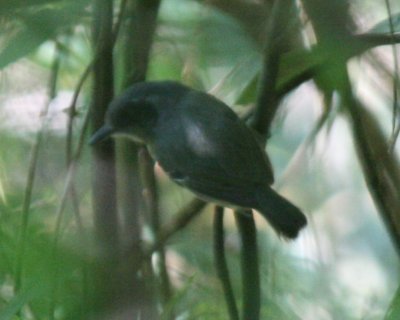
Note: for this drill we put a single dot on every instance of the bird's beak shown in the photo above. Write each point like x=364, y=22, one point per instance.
x=101, y=134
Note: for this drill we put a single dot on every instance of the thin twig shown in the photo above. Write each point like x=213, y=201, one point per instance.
x=221, y=265
x=396, y=107
x=180, y=220
x=249, y=265
x=150, y=196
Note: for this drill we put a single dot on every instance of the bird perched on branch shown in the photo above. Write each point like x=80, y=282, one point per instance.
x=203, y=146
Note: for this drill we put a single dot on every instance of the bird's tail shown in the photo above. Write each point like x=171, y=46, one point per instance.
x=284, y=217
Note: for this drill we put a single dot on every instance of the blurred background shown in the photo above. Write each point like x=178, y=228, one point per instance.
x=344, y=265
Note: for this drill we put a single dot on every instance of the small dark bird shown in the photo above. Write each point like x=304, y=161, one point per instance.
x=203, y=146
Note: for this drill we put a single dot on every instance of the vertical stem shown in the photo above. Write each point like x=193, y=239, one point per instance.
x=381, y=179
x=250, y=265
x=104, y=182
x=144, y=25
x=138, y=38
x=221, y=265
x=150, y=195
x=106, y=278
x=266, y=108
x=277, y=40
x=128, y=187
x=396, y=106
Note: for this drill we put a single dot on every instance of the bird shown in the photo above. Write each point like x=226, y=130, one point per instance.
x=203, y=146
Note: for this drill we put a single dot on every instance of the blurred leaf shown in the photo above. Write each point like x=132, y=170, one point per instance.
x=380, y=167
x=23, y=43
x=295, y=63
x=295, y=67
x=38, y=27
x=249, y=93
x=393, y=313
x=15, y=305
x=2, y=192
x=8, y=6
x=223, y=41
x=240, y=78
x=273, y=310
x=384, y=25
x=227, y=51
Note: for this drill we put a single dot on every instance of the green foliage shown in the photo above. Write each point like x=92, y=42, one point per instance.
x=394, y=309
x=41, y=266
x=32, y=26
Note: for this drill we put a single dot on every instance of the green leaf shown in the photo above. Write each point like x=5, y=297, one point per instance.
x=7, y=7
x=294, y=66
x=249, y=93
x=15, y=305
x=36, y=27
x=393, y=313
x=23, y=43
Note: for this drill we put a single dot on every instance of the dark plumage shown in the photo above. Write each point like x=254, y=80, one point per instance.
x=203, y=146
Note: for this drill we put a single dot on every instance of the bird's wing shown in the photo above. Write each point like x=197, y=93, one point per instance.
x=213, y=128
x=212, y=152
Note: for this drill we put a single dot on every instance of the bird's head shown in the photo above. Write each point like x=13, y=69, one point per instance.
x=135, y=113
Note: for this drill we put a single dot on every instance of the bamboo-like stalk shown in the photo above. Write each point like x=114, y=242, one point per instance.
x=380, y=166
x=396, y=106
x=221, y=264
x=103, y=168
x=277, y=38
x=138, y=39
x=104, y=200
x=266, y=107
x=251, y=287
x=151, y=200
x=129, y=195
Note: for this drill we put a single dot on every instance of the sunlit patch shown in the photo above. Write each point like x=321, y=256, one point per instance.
x=22, y=114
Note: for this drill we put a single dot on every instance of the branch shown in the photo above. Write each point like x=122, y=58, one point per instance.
x=221, y=264
x=266, y=108
x=380, y=167
x=180, y=220
x=249, y=265
x=103, y=168
x=150, y=195
x=268, y=99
